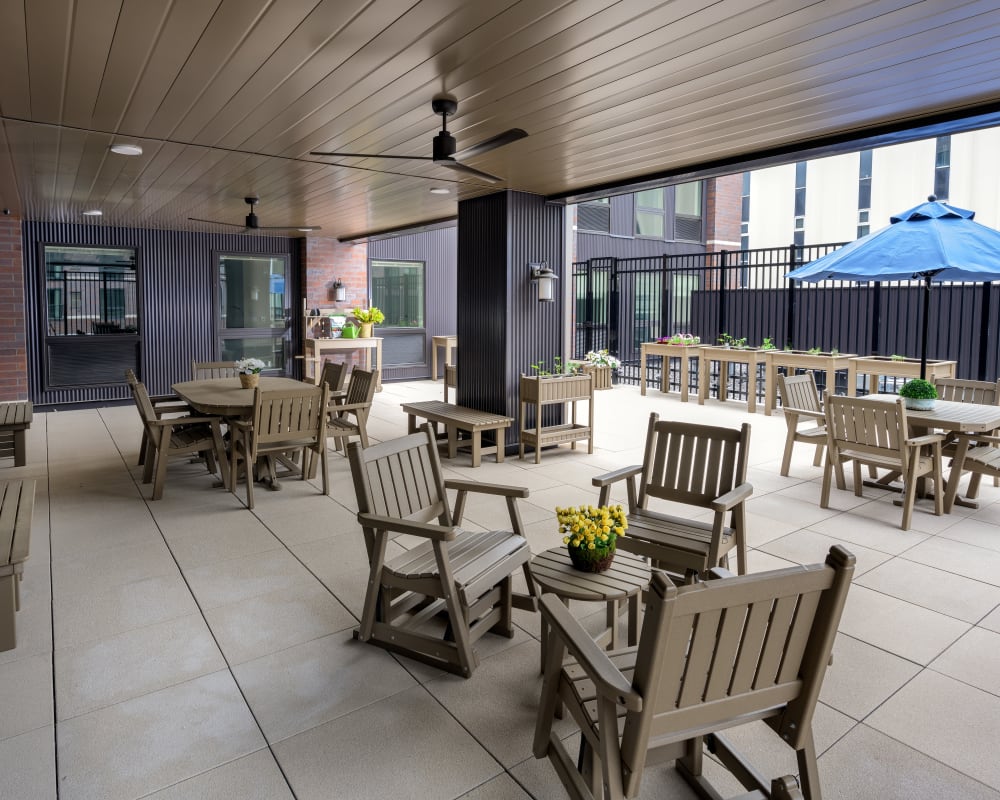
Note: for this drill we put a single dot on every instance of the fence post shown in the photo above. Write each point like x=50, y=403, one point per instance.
x=613, y=314
x=791, y=308
x=723, y=282
x=588, y=323
x=984, y=330
x=665, y=325
x=876, y=315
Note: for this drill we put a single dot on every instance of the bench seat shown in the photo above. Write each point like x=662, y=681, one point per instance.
x=15, y=419
x=459, y=419
x=17, y=500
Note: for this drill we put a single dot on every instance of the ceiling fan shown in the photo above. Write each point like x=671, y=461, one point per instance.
x=444, y=144
x=251, y=223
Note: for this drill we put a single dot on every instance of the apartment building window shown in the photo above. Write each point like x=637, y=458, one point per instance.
x=942, y=167
x=594, y=215
x=799, y=235
x=650, y=214
x=745, y=219
x=864, y=192
x=687, y=212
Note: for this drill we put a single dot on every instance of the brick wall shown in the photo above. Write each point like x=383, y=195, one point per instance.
x=325, y=261
x=13, y=359
x=723, y=208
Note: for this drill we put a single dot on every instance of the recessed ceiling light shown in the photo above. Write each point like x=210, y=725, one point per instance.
x=127, y=149
x=439, y=190
x=94, y=212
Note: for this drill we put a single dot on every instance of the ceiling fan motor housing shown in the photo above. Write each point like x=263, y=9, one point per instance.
x=444, y=146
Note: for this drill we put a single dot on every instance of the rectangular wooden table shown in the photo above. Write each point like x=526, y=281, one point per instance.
x=953, y=417
x=315, y=348
x=725, y=357
x=15, y=419
x=685, y=352
x=459, y=418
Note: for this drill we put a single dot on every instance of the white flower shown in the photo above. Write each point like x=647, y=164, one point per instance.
x=602, y=359
x=249, y=366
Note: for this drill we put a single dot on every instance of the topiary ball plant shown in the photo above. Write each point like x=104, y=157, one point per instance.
x=919, y=394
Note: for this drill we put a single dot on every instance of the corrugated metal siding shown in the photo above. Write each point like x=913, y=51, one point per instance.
x=177, y=278
x=502, y=328
x=438, y=250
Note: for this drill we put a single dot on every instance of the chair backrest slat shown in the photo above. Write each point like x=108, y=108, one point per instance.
x=361, y=387
x=286, y=415
x=205, y=370
x=334, y=374
x=799, y=392
x=964, y=391
x=876, y=427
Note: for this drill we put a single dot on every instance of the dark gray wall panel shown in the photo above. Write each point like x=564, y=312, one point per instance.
x=176, y=277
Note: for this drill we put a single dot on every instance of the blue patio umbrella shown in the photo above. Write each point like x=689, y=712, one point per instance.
x=933, y=241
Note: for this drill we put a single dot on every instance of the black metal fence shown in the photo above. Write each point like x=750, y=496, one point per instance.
x=621, y=303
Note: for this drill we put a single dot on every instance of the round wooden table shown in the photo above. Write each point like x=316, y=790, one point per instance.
x=624, y=580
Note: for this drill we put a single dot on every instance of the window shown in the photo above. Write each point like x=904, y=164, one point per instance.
x=649, y=217
x=398, y=290
x=799, y=235
x=687, y=212
x=251, y=321
x=100, y=285
x=594, y=215
x=864, y=191
x=942, y=167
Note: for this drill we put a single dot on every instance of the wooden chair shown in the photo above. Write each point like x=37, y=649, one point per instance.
x=283, y=421
x=348, y=414
x=875, y=432
x=463, y=575
x=963, y=391
x=800, y=403
x=701, y=466
x=176, y=436
x=333, y=375
x=162, y=404
x=450, y=380
x=710, y=656
x=204, y=370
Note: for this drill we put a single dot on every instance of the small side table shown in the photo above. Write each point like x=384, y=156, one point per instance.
x=624, y=580
x=449, y=343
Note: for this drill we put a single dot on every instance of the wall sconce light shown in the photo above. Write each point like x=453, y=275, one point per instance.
x=338, y=291
x=546, y=280
x=255, y=294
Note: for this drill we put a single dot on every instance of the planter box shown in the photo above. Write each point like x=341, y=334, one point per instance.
x=828, y=363
x=537, y=392
x=750, y=356
x=602, y=375
x=666, y=350
x=877, y=366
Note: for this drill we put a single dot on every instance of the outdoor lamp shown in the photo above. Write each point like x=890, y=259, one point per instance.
x=338, y=291
x=546, y=280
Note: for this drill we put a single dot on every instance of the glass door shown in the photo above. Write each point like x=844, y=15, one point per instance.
x=252, y=322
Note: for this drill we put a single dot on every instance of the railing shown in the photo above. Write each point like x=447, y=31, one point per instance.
x=624, y=302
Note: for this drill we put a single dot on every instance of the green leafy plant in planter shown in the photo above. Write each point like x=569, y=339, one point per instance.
x=768, y=344
x=814, y=351
x=919, y=394
x=590, y=533
x=897, y=357
x=540, y=368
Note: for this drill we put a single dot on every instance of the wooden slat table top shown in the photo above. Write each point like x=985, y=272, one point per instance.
x=554, y=572
x=952, y=416
x=17, y=414
x=439, y=411
x=226, y=397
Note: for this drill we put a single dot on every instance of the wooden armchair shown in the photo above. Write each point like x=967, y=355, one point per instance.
x=204, y=370
x=985, y=393
x=283, y=421
x=348, y=413
x=176, y=436
x=701, y=466
x=800, y=403
x=464, y=576
x=875, y=432
x=710, y=656
x=333, y=375
x=162, y=404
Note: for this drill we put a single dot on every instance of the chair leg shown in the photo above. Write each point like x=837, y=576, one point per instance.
x=808, y=770
x=909, y=498
x=824, y=497
x=857, y=477
x=786, y=458
x=161, y=474
x=818, y=458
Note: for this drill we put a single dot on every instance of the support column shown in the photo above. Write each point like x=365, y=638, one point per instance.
x=13, y=328
x=502, y=327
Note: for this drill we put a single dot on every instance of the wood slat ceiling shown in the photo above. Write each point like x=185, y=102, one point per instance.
x=228, y=97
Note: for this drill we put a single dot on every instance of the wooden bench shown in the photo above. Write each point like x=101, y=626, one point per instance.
x=456, y=419
x=17, y=498
x=15, y=419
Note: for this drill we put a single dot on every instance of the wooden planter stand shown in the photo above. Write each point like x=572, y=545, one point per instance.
x=685, y=352
x=538, y=392
x=602, y=375
x=792, y=360
x=877, y=366
x=726, y=356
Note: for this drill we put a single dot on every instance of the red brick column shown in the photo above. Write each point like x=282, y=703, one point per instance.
x=326, y=260
x=13, y=336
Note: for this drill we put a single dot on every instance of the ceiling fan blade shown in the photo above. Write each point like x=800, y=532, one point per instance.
x=370, y=155
x=469, y=170
x=216, y=222
x=302, y=228
x=493, y=143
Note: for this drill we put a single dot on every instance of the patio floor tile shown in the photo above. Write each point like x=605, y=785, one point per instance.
x=253, y=777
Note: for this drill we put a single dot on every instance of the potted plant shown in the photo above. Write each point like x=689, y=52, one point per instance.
x=590, y=534
x=367, y=317
x=249, y=371
x=601, y=364
x=919, y=394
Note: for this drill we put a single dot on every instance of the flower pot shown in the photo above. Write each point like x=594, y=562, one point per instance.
x=586, y=563
x=249, y=381
x=366, y=330
x=919, y=403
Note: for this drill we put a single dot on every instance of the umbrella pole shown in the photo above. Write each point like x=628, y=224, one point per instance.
x=926, y=322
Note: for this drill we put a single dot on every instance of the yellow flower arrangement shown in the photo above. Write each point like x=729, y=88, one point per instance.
x=590, y=532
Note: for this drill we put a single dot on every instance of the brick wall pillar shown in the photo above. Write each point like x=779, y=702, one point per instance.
x=13, y=332
x=723, y=202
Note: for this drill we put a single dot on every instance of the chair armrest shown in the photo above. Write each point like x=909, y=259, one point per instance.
x=930, y=438
x=440, y=533
x=978, y=438
x=720, y=572
x=240, y=424
x=487, y=488
x=617, y=475
x=733, y=497
x=341, y=407
x=607, y=679
x=175, y=421
x=819, y=415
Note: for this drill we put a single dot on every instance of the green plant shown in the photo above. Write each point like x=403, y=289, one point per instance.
x=896, y=357
x=813, y=351
x=602, y=358
x=834, y=351
x=590, y=532
x=368, y=315
x=768, y=344
x=725, y=339
x=558, y=368
x=918, y=389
